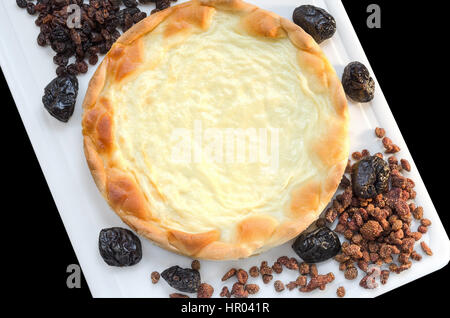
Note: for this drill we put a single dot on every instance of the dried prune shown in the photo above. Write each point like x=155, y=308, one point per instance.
x=317, y=246
x=370, y=176
x=315, y=21
x=184, y=279
x=357, y=82
x=119, y=247
x=60, y=96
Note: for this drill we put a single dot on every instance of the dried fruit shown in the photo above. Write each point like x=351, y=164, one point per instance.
x=155, y=277
x=267, y=278
x=277, y=267
x=426, y=248
x=254, y=271
x=130, y=3
x=252, y=288
x=370, y=176
x=301, y=281
x=319, y=281
x=184, y=279
x=315, y=21
x=21, y=3
x=279, y=286
x=357, y=82
x=317, y=246
x=119, y=247
x=178, y=295
x=229, y=274
x=351, y=273
x=304, y=268
x=205, y=291
x=195, y=265
x=238, y=290
x=380, y=132
x=60, y=97
x=371, y=230
x=225, y=292
x=242, y=276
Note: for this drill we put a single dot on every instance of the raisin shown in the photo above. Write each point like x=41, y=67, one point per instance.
x=315, y=21
x=60, y=60
x=60, y=96
x=162, y=4
x=59, y=34
x=119, y=247
x=183, y=279
x=357, y=82
x=82, y=67
x=61, y=71
x=155, y=277
x=31, y=8
x=72, y=69
x=130, y=3
x=42, y=39
x=93, y=59
x=139, y=16
x=21, y=3
x=370, y=177
x=317, y=246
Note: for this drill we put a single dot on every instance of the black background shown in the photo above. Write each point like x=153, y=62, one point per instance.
x=407, y=59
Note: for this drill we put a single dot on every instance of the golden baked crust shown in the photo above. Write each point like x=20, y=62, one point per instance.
x=145, y=205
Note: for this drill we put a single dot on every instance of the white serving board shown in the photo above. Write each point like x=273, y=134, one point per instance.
x=58, y=146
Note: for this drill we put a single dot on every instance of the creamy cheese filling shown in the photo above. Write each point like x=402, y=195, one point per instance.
x=207, y=84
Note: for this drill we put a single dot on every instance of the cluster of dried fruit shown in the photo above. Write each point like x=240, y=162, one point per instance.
x=84, y=39
x=376, y=220
x=241, y=289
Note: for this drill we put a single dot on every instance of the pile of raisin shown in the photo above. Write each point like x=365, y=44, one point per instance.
x=79, y=43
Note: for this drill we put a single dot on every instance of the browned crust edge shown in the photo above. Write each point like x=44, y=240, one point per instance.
x=254, y=234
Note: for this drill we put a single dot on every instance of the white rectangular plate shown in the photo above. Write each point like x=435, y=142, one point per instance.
x=58, y=146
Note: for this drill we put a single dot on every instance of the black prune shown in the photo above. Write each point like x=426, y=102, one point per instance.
x=60, y=96
x=184, y=279
x=370, y=176
x=119, y=247
x=317, y=246
x=315, y=21
x=357, y=82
